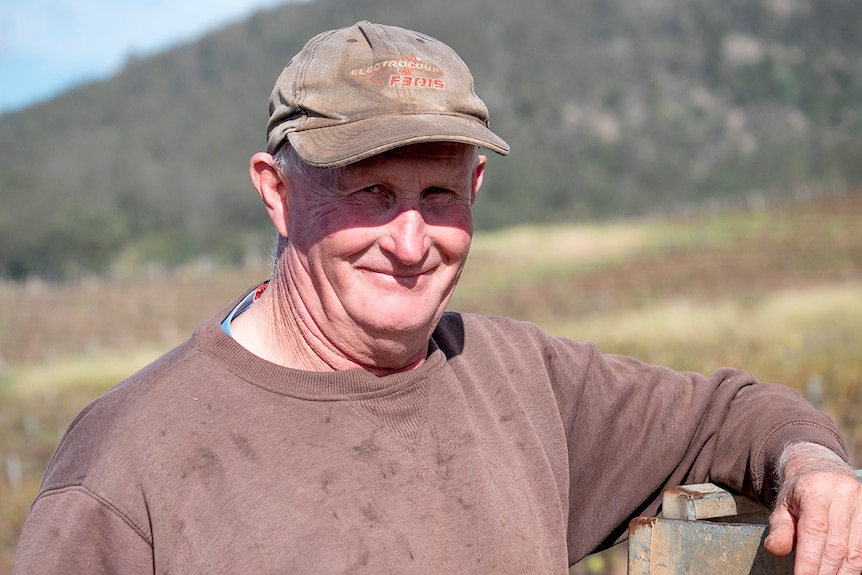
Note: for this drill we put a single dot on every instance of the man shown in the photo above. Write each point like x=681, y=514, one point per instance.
x=336, y=420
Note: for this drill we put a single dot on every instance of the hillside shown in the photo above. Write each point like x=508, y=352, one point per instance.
x=612, y=108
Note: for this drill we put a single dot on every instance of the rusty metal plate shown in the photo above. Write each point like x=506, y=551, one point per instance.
x=659, y=546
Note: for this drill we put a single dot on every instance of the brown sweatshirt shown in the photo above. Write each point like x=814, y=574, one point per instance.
x=508, y=451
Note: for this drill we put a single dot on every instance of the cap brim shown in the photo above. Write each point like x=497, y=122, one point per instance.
x=342, y=144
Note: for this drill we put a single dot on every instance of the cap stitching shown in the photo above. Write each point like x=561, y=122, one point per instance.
x=299, y=85
x=405, y=99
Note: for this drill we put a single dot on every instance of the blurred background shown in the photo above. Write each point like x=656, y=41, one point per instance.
x=685, y=185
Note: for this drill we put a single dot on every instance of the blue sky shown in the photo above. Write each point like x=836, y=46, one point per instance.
x=48, y=46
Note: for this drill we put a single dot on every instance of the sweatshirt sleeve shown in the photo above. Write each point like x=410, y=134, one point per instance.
x=633, y=429
x=71, y=531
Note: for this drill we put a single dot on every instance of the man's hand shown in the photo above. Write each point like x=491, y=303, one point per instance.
x=819, y=510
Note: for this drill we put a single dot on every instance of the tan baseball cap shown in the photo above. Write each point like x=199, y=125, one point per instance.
x=359, y=91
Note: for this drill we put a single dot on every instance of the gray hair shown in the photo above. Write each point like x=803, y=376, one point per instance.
x=293, y=168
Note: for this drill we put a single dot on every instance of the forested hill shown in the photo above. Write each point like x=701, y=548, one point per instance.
x=612, y=107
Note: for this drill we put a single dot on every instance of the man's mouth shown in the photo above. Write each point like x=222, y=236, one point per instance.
x=405, y=278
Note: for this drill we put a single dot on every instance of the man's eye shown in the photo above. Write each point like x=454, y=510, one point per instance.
x=437, y=194
x=372, y=191
x=374, y=195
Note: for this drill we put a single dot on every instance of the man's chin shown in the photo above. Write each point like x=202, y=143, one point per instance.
x=398, y=324
x=400, y=328
x=393, y=350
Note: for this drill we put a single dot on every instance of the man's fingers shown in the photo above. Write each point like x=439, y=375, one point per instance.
x=817, y=550
x=826, y=530
x=853, y=559
x=782, y=533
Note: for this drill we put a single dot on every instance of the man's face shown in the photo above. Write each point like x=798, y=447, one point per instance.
x=375, y=254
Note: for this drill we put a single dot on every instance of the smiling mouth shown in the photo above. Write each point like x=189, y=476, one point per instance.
x=403, y=279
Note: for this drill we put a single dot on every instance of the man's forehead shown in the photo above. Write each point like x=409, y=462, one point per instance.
x=431, y=149
x=448, y=156
x=424, y=151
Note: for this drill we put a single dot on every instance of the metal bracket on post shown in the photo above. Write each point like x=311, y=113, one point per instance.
x=707, y=530
x=682, y=542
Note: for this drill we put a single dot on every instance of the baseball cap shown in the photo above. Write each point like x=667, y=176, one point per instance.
x=356, y=92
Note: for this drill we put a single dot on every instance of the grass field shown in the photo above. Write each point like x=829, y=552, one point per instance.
x=777, y=290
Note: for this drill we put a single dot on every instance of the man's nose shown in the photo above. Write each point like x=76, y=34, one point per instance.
x=407, y=237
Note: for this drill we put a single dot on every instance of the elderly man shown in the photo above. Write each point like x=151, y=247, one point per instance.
x=336, y=419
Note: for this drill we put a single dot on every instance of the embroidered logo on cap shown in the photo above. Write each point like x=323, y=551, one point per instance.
x=407, y=71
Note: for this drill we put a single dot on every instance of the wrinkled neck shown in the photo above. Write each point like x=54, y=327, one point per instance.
x=280, y=328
